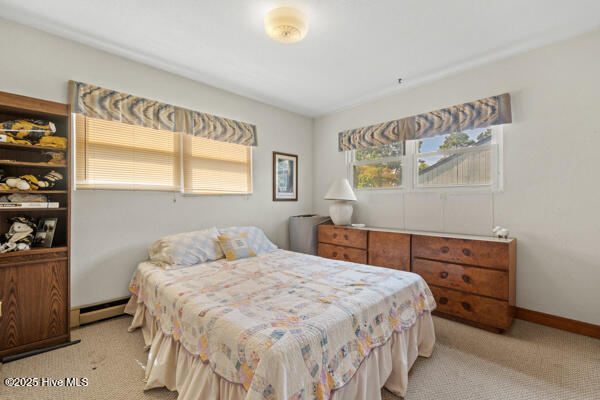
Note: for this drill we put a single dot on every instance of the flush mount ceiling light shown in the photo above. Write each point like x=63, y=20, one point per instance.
x=286, y=24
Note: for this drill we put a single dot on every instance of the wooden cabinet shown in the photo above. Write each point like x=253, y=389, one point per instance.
x=34, y=284
x=34, y=303
x=389, y=250
x=471, y=278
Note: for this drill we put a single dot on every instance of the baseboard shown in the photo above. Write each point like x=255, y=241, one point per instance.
x=98, y=311
x=566, y=324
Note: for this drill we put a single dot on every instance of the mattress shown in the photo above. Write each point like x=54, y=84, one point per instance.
x=281, y=325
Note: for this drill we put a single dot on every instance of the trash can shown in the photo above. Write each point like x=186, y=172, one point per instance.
x=303, y=232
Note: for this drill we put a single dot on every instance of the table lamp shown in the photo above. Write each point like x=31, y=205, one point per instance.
x=341, y=210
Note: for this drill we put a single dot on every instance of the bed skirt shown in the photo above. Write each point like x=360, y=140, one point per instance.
x=170, y=365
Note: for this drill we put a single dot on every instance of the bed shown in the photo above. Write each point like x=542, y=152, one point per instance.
x=281, y=325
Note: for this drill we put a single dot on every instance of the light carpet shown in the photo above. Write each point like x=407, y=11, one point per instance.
x=529, y=362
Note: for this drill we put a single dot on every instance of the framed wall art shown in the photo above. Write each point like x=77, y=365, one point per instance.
x=285, y=177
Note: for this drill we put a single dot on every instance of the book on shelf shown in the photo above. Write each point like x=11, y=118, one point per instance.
x=52, y=204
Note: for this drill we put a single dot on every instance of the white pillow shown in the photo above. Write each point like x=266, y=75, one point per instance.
x=255, y=237
x=185, y=249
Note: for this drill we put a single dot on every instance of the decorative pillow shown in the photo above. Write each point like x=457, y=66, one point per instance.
x=185, y=249
x=236, y=247
x=255, y=237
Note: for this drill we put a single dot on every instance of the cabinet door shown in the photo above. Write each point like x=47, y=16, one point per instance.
x=34, y=302
x=389, y=250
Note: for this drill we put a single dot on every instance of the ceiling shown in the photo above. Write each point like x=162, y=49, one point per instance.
x=354, y=52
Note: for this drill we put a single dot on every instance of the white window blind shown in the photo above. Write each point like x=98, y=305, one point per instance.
x=210, y=166
x=115, y=155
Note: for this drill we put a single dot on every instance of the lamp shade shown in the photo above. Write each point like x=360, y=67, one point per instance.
x=340, y=190
x=286, y=24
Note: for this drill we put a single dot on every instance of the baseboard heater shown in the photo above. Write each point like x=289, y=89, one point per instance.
x=98, y=311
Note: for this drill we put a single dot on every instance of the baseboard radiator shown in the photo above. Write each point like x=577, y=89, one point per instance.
x=98, y=311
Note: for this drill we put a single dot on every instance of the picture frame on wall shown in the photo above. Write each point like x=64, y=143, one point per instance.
x=45, y=232
x=285, y=177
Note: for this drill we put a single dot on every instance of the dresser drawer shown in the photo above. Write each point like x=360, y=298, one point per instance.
x=343, y=236
x=474, y=252
x=389, y=250
x=486, y=311
x=349, y=254
x=487, y=282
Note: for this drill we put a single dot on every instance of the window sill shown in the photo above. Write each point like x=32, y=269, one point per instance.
x=437, y=189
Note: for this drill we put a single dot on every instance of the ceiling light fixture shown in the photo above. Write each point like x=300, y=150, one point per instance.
x=286, y=24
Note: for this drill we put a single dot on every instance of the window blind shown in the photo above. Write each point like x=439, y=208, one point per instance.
x=115, y=155
x=214, y=167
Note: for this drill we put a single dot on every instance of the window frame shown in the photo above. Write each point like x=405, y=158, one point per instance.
x=351, y=162
x=410, y=169
x=178, y=189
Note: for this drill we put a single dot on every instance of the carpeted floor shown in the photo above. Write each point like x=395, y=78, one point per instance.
x=529, y=362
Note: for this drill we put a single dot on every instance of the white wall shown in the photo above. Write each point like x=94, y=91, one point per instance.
x=112, y=229
x=551, y=197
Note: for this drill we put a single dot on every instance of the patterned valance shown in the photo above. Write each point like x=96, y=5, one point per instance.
x=97, y=102
x=482, y=113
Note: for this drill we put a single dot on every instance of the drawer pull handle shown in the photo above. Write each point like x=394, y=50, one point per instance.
x=335, y=235
x=466, y=306
x=445, y=249
x=467, y=252
x=346, y=256
x=335, y=253
x=466, y=278
x=443, y=274
x=346, y=237
x=443, y=300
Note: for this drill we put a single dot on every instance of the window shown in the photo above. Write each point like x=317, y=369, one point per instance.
x=378, y=167
x=216, y=167
x=461, y=159
x=115, y=155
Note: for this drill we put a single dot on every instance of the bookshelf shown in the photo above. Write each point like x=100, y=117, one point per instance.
x=35, y=283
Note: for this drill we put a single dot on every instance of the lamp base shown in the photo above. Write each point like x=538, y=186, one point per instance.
x=341, y=212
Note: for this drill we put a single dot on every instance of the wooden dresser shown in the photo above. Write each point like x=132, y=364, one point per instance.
x=471, y=277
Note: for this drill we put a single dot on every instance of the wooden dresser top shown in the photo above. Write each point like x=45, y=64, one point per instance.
x=428, y=233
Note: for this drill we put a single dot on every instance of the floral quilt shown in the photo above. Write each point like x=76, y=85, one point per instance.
x=284, y=325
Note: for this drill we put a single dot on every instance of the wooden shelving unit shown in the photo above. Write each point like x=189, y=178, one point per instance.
x=35, y=284
x=30, y=209
x=30, y=164
x=9, y=191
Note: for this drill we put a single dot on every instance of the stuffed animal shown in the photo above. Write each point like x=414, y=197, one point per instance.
x=32, y=182
x=53, y=141
x=20, y=235
x=501, y=232
x=27, y=130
